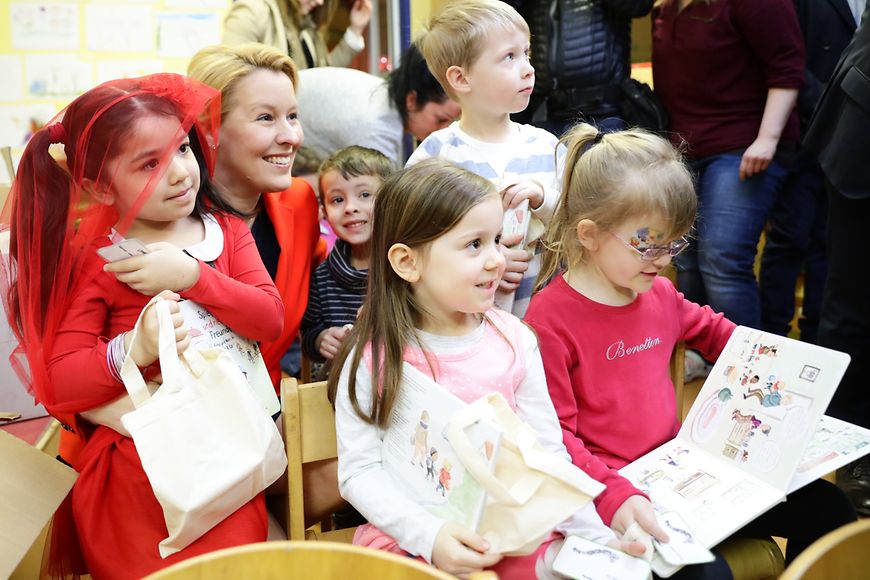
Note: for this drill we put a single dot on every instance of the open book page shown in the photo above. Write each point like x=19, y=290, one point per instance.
x=714, y=498
x=416, y=452
x=834, y=444
x=206, y=332
x=745, y=435
x=760, y=404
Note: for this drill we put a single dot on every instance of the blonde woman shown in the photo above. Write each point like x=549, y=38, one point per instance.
x=259, y=139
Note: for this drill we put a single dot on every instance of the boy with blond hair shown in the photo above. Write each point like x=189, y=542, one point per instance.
x=479, y=52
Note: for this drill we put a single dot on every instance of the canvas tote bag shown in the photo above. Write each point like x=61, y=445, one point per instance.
x=530, y=491
x=206, y=444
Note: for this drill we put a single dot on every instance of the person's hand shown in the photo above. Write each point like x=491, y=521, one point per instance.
x=146, y=349
x=360, y=14
x=630, y=547
x=164, y=267
x=638, y=509
x=514, y=195
x=329, y=341
x=757, y=156
x=459, y=551
x=516, y=262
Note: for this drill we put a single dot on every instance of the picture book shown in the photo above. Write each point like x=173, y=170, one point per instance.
x=746, y=435
x=417, y=453
x=206, y=331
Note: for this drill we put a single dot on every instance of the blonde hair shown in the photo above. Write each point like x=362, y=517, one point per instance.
x=456, y=35
x=222, y=67
x=610, y=178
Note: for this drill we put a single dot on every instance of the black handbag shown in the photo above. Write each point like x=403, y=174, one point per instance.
x=641, y=107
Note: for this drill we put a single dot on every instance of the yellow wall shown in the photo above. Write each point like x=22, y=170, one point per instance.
x=51, y=51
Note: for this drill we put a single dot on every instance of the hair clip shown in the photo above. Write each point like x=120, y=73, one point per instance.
x=57, y=133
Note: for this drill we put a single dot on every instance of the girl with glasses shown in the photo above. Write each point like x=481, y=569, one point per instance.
x=607, y=324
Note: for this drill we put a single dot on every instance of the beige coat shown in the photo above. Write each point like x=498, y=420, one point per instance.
x=260, y=21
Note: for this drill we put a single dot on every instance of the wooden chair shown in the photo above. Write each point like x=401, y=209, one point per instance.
x=309, y=434
x=310, y=560
x=843, y=554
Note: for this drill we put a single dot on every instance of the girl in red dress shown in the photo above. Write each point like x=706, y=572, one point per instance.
x=131, y=170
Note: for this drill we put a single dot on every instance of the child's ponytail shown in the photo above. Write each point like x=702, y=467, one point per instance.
x=610, y=177
x=560, y=233
x=41, y=188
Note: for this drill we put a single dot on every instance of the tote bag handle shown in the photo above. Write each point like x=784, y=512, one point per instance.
x=170, y=365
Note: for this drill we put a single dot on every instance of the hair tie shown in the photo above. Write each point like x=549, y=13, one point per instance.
x=57, y=133
x=598, y=138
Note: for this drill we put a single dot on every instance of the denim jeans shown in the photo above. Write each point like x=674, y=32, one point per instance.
x=795, y=241
x=717, y=269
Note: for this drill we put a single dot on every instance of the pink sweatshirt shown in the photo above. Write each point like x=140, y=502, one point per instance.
x=607, y=372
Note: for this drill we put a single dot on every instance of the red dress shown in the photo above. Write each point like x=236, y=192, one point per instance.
x=118, y=519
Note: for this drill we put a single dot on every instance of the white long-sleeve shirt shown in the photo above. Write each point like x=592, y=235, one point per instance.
x=372, y=491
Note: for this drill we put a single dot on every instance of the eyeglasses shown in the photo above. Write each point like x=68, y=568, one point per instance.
x=653, y=253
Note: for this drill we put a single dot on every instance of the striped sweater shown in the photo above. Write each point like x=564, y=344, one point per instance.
x=335, y=295
x=530, y=155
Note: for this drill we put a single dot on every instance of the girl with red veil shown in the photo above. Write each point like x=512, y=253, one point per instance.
x=139, y=153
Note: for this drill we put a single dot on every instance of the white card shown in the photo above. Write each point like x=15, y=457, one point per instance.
x=587, y=560
x=123, y=250
x=683, y=548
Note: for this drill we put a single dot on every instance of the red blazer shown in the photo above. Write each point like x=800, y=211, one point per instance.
x=294, y=215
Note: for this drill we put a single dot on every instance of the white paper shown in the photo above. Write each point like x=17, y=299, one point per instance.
x=834, y=444
x=580, y=558
x=57, y=75
x=120, y=27
x=49, y=25
x=11, y=78
x=207, y=332
x=185, y=34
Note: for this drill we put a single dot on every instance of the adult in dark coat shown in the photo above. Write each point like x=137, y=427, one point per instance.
x=581, y=51
x=840, y=134
x=796, y=233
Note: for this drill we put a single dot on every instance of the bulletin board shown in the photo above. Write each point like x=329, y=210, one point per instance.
x=51, y=51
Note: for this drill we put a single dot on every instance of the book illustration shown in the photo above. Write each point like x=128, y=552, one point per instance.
x=207, y=332
x=419, y=457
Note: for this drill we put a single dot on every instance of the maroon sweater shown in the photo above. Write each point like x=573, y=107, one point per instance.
x=714, y=63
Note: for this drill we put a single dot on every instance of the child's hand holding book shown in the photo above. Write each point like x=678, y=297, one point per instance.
x=460, y=551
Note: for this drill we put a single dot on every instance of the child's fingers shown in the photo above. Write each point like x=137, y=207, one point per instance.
x=125, y=265
x=513, y=240
x=471, y=539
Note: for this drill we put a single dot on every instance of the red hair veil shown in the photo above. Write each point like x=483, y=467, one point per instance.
x=53, y=215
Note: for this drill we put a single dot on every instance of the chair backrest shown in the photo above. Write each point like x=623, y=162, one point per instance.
x=310, y=560
x=309, y=434
x=843, y=554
